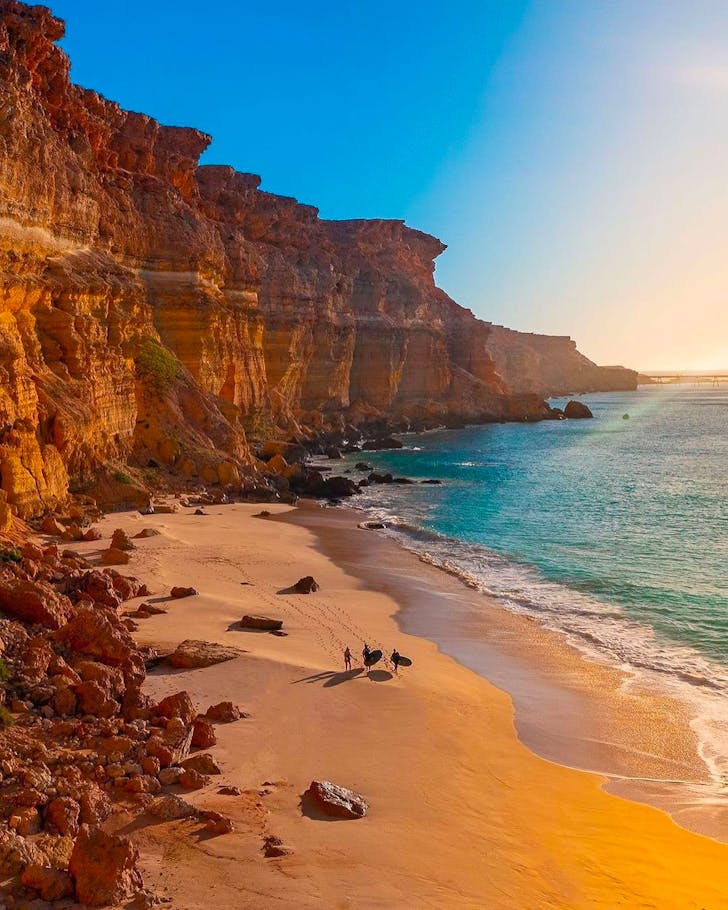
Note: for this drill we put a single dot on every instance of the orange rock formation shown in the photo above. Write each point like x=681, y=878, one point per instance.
x=153, y=309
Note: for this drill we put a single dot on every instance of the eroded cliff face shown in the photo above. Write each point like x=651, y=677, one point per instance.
x=550, y=365
x=152, y=309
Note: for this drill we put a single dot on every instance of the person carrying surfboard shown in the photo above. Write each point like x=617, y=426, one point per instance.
x=347, y=659
x=395, y=660
x=365, y=654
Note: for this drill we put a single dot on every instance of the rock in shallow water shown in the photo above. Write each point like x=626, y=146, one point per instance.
x=577, y=410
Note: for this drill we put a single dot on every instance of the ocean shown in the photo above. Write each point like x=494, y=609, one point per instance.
x=613, y=531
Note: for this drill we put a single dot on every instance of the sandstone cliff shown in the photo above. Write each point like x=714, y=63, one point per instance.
x=160, y=314
x=550, y=365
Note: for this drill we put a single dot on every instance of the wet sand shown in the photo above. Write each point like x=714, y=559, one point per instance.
x=462, y=813
x=578, y=712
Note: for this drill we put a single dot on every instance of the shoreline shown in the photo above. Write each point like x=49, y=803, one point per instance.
x=462, y=814
x=569, y=707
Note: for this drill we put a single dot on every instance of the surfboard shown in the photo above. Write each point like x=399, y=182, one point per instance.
x=405, y=661
x=374, y=656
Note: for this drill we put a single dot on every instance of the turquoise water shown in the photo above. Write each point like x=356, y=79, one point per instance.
x=613, y=531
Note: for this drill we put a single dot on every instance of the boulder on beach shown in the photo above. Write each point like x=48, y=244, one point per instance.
x=229, y=790
x=193, y=780
x=178, y=591
x=225, y=712
x=203, y=733
x=203, y=763
x=577, y=410
x=337, y=801
x=177, y=705
x=191, y=653
x=306, y=585
x=104, y=867
x=273, y=847
x=114, y=557
x=120, y=540
x=170, y=808
x=264, y=623
x=217, y=823
x=51, y=884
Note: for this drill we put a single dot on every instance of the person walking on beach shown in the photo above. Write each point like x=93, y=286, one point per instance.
x=395, y=660
x=347, y=659
x=365, y=654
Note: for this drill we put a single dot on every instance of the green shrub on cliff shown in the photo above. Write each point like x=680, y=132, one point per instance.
x=12, y=555
x=6, y=718
x=158, y=365
x=259, y=426
x=121, y=477
x=4, y=671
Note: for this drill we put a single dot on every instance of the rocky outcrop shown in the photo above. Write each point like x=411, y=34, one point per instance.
x=156, y=313
x=550, y=365
x=104, y=867
x=577, y=410
x=81, y=745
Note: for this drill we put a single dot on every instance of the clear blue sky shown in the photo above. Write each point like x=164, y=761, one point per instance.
x=570, y=152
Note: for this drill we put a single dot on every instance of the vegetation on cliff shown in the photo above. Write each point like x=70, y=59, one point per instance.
x=113, y=236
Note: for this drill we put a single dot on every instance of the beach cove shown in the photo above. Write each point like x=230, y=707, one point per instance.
x=462, y=813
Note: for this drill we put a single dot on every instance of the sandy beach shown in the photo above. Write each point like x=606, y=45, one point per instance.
x=462, y=813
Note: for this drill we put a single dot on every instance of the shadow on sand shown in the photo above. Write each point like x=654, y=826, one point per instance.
x=379, y=675
x=310, y=808
x=237, y=626
x=329, y=678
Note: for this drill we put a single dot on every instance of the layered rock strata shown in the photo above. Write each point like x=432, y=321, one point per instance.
x=551, y=366
x=159, y=314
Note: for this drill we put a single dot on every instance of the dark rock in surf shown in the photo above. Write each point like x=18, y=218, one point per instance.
x=382, y=442
x=577, y=410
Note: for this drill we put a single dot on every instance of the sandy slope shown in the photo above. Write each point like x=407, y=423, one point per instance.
x=462, y=814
